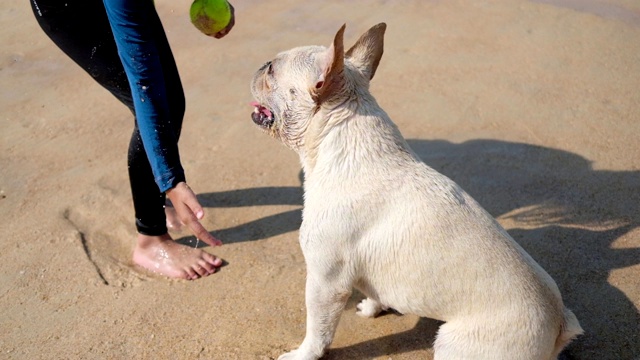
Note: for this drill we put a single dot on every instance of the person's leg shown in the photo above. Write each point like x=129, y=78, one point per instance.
x=67, y=23
x=155, y=250
x=148, y=199
x=98, y=56
x=81, y=30
x=154, y=77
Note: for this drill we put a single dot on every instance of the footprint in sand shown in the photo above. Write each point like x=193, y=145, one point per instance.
x=105, y=234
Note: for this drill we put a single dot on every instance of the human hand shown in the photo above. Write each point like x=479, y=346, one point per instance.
x=190, y=212
x=222, y=33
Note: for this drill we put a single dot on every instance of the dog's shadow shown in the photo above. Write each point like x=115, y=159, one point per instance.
x=573, y=215
x=417, y=338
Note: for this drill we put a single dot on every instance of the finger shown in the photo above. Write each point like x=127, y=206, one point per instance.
x=201, y=233
x=194, y=206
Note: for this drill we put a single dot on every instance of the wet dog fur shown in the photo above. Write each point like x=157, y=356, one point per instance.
x=376, y=218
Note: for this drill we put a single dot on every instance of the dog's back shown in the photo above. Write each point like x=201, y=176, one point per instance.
x=424, y=246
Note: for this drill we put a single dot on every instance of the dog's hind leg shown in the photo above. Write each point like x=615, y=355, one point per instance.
x=465, y=341
x=369, y=308
x=325, y=302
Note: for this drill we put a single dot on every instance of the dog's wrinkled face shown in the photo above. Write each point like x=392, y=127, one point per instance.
x=290, y=89
x=284, y=103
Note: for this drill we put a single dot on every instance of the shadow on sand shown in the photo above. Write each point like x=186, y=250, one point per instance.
x=573, y=215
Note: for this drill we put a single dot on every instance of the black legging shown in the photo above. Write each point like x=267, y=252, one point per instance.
x=80, y=28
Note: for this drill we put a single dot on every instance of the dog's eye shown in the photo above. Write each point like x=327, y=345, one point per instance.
x=270, y=69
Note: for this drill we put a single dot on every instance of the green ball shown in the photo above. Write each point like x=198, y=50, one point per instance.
x=210, y=16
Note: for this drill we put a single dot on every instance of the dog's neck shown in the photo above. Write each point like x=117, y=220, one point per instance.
x=330, y=142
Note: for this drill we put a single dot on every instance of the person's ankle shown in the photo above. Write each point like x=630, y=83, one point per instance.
x=151, y=240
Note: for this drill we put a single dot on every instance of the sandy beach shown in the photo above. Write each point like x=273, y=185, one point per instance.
x=533, y=107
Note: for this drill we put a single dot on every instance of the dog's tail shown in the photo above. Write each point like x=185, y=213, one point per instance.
x=569, y=330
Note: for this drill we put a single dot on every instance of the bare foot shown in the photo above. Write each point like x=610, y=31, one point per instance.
x=164, y=256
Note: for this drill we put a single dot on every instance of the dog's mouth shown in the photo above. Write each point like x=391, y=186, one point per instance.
x=261, y=115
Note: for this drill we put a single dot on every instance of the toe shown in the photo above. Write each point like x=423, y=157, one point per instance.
x=200, y=270
x=191, y=274
x=214, y=261
x=207, y=266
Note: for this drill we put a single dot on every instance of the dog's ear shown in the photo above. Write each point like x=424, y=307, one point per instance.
x=331, y=63
x=367, y=51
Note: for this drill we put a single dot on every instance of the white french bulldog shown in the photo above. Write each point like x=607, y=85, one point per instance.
x=378, y=219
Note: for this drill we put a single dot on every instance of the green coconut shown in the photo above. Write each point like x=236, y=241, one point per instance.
x=210, y=16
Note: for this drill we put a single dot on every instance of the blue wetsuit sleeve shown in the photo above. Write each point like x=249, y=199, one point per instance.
x=139, y=54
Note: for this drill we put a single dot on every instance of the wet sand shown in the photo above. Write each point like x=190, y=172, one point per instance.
x=532, y=106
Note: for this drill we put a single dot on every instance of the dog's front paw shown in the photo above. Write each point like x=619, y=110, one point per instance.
x=369, y=308
x=297, y=355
